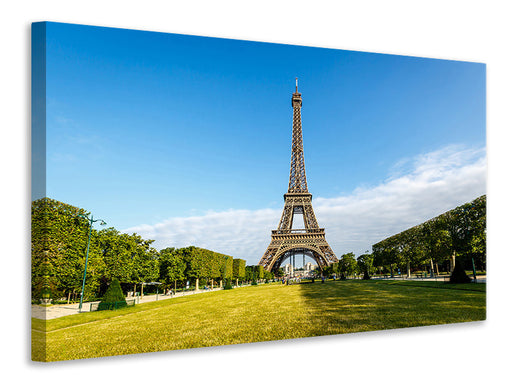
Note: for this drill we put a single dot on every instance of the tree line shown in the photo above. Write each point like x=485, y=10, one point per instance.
x=456, y=236
x=58, y=247
x=60, y=235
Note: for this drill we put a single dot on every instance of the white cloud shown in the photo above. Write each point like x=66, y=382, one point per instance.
x=419, y=189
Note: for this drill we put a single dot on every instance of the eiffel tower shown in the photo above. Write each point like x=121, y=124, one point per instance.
x=310, y=240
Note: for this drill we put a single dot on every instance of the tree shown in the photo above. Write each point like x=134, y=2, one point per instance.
x=478, y=249
x=144, y=265
x=58, y=247
x=365, y=265
x=255, y=273
x=438, y=243
x=118, y=251
x=330, y=269
x=347, y=264
x=267, y=275
x=226, y=267
x=171, y=266
x=467, y=224
x=260, y=272
x=249, y=275
x=192, y=264
x=478, y=243
x=238, y=269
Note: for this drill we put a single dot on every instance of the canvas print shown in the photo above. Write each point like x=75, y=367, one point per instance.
x=171, y=207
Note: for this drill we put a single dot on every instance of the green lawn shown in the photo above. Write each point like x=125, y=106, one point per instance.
x=256, y=313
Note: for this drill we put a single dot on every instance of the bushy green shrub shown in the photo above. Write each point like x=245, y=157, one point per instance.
x=114, y=293
x=459, y=274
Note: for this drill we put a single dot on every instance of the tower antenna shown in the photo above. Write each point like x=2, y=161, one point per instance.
x=296, y=85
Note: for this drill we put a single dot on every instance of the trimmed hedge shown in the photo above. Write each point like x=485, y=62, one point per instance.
x=228, y=284
x=459, y=274
x=114, y=293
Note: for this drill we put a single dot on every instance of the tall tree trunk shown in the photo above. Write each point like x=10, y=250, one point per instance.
x=452, y=262
x=197, y=284
x=408, y=269
x=431, y=267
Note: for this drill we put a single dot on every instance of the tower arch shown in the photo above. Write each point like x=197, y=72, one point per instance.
x=282, y=255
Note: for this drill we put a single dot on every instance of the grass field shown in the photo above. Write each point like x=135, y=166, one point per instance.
x=256, y=313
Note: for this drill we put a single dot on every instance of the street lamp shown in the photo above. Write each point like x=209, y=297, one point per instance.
x=224, y=271
x=91, y=221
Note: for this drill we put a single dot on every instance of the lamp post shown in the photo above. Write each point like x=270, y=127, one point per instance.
x=91, y=221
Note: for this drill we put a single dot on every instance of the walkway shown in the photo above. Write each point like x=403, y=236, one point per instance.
x=59, y=310
x=442, y=278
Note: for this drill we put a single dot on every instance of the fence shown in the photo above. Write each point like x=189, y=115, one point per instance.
x=111, y=306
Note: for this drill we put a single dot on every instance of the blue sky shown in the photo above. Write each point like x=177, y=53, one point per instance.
x=177, y=137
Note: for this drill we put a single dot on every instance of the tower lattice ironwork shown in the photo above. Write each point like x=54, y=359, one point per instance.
x=309, y=240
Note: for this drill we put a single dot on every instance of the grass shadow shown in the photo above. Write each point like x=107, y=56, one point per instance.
x=357, y=306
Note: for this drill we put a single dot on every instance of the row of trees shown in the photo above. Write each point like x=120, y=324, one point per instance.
x=257, y=273
x=457, y=235
x=177, y=266
x=348, y=265
x=59, y=241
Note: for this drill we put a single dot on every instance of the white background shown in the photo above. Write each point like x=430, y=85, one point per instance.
x=460, y=30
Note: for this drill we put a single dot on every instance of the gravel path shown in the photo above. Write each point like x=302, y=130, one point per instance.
x=59, y=310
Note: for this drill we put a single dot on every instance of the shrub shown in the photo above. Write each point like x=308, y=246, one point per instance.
x=114, y=293
x=459, y=274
